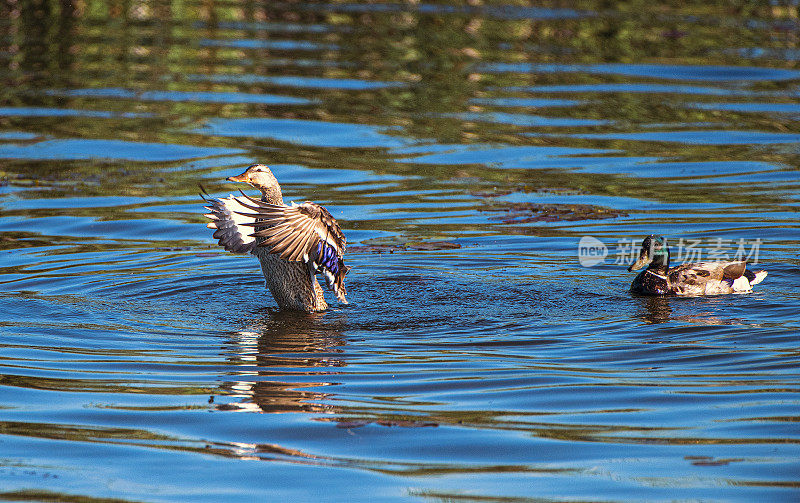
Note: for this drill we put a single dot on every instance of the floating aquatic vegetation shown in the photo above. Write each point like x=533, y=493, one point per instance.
x=403, y=246
x=522, y=213
x=402, y=423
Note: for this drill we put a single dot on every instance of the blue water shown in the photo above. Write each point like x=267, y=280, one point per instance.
x=465, y=151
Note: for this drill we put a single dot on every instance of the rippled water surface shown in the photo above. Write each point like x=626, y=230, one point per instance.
x=465, y=149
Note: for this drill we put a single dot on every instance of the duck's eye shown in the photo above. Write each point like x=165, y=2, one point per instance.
x=258, y=168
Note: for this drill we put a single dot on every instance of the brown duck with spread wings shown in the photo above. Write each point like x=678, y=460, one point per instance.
x=292, y=243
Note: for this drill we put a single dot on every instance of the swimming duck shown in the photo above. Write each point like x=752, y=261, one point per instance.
x=705, y=278
x=292, y=243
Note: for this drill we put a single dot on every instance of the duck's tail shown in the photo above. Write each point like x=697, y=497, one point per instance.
x=745, y=282
x=335, y=280
x=755, y=277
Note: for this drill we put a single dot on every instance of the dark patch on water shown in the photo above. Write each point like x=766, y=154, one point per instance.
x=523, y=213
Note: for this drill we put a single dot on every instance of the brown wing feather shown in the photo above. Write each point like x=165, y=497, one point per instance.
x=303, y=243
x=713, y=270
x=291, y=231
x=330, y=224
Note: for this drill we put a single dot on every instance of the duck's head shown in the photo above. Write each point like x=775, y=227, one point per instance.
x=260, y=177
x=654, y=253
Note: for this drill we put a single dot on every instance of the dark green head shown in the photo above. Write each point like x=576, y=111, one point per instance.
x=654, y=252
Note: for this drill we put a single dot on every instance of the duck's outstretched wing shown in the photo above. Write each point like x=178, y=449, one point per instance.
x=306, y=232
x=227, y=218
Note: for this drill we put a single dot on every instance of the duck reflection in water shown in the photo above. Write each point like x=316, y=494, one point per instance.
x=656, y=309
x=277, y=357
x=704, y=311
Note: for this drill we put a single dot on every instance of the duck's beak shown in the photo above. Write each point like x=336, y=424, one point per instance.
x=642, y=261
x=243, y=178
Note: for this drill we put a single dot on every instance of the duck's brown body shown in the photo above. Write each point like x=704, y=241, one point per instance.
x=289, y=283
